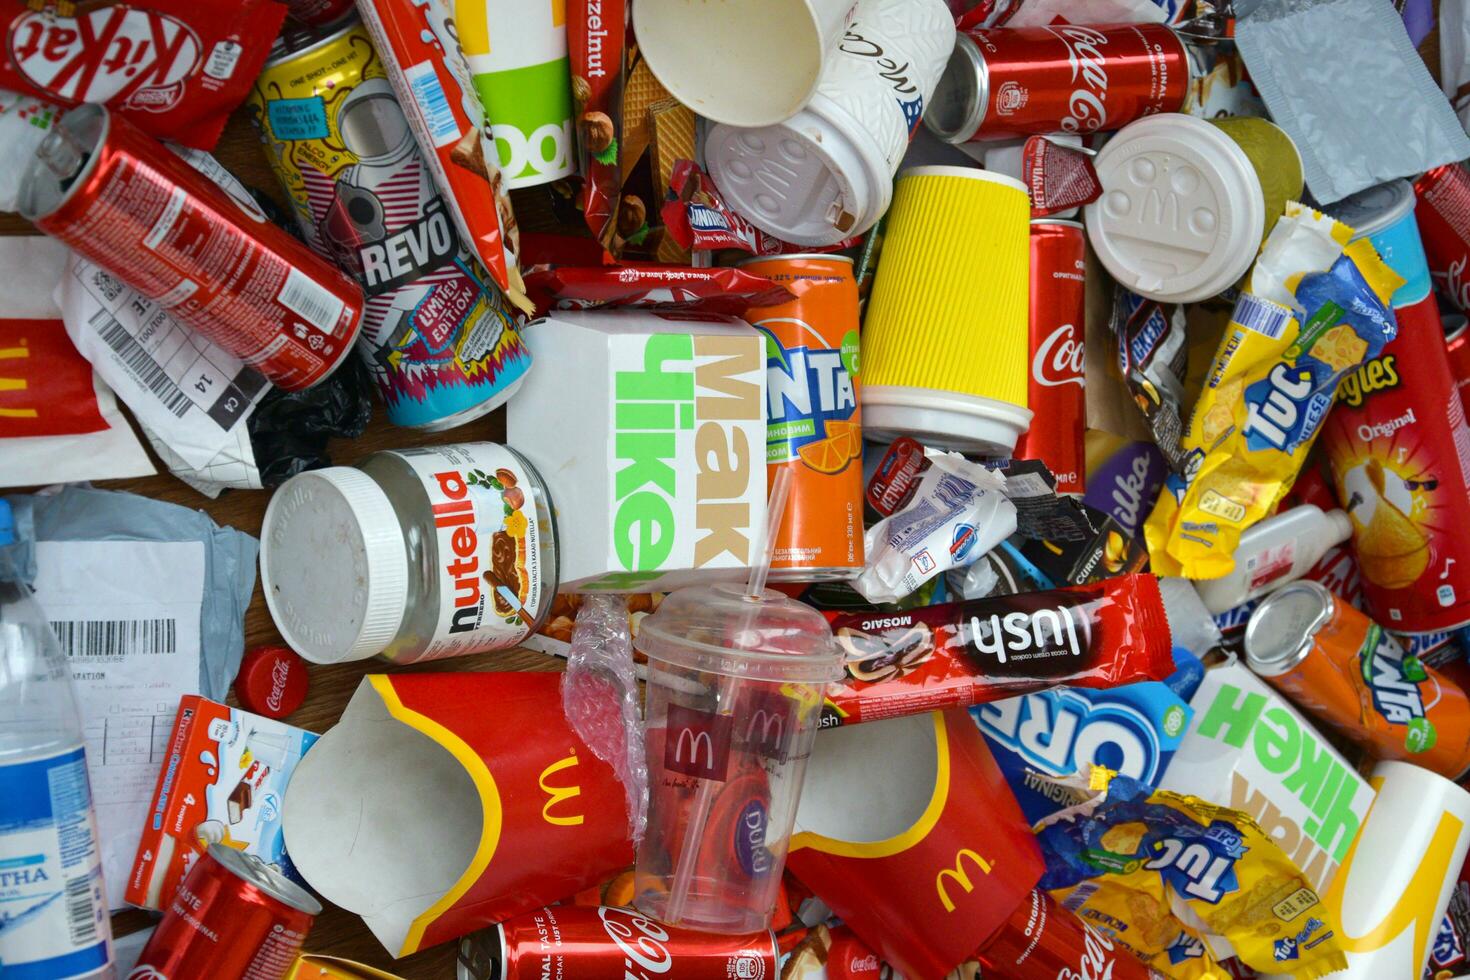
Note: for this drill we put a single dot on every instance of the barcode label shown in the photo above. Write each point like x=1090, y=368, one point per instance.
x=116, y=637
x=314, y=303
x=140, y=363
x=81, y=912
x=1261, y=315
x=423, y=81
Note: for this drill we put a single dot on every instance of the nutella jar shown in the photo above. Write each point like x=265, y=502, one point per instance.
x=414, y=554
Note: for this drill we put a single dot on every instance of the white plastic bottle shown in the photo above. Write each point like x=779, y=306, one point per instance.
x=1278, y=550
x=53, y=907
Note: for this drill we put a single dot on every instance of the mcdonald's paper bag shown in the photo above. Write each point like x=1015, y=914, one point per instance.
x=441, y=803
x=908, y=830
x=1390, y=894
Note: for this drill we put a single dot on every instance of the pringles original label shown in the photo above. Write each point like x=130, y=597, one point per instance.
x=1248, y=749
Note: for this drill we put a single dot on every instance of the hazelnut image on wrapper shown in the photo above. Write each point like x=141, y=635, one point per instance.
x=599, y=136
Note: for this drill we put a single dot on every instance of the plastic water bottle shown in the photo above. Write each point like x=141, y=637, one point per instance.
x=53, y=907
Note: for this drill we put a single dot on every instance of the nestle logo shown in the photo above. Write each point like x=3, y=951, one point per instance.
x=697, y=743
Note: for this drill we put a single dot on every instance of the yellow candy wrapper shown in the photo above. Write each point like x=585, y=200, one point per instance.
x=1315, y=308
x=1147, y=867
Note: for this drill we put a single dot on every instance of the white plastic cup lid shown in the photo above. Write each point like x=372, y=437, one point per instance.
x=1182, y=211
x=803, y=181
x=746, y=63
x=333, y=565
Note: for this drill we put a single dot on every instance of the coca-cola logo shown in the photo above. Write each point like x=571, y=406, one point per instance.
x=1097, y=957
x=146, y=972
x=279, y=675
x=1059, y=359
x=1455, y=284
x=641, y=940
x=112, y=54
x=1087, y=105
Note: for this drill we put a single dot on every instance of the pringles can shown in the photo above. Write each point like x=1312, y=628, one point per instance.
x=438, y=336
x=119, y=198
x=1005, y=82
x=1339, y=666
x=1398, y=444
x=517, y=54
x=594, y=943
x=813, y=426
x=1443, y=214
x=1056, y=393
x=233, y=918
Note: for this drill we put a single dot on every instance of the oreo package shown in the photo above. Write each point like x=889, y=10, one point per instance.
x=1133, y=729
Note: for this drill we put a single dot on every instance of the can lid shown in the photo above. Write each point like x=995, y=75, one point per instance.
x=1283, y=627
x=958, y=105
x=248, y=867
x=1375, y=209
x=334, y=565
x=1182, y=211
x=272, y=681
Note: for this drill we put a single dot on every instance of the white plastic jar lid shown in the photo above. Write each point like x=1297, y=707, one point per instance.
x=333, y=565
x=1182, y=211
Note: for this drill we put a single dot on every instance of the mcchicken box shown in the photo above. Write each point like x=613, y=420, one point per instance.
x=222, y=781
x=1247, y=748
x=650, y=433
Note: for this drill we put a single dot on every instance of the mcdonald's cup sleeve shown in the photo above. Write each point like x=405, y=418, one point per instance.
x=1128, y=855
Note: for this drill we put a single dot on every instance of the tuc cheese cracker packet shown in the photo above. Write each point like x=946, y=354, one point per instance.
x=1315, y=308
x=1161, y=873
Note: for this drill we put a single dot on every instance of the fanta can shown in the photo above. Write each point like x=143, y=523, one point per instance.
x=1347, y=671
x=812, y=424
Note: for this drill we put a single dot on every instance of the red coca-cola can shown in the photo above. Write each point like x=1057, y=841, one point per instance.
x=1443, y=213
x=1043, y=941
x=581, y=942
x=233, y=918
x=1056, y=390
x=1457, y=343
x=1003, y=82
x=120, y=198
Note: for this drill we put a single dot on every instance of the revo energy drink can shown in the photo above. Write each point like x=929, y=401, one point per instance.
x=1056, y=393
x=1398, y=444
x=812, y=416
x=119, y=198
x=438, y=337
x=1345, y=670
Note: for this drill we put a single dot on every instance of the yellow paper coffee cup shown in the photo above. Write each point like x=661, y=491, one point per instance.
x=945, y=342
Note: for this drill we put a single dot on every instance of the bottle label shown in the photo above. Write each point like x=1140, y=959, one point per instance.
x=1270, y=565
x=489, y=538
x=53, y=916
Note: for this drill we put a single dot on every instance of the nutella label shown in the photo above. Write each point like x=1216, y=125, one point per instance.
x=489, y=541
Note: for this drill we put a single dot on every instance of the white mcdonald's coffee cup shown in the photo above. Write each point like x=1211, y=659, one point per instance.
x=743, y=62
x=826, y=173
x=1389, y=896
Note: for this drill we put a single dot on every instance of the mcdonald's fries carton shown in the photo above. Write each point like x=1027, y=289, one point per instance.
x=309, y=966
x=932, y=857
x=650, y=435
x=222, y=781
x=442, y=803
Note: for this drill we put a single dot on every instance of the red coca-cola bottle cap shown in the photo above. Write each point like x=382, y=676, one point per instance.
x=272, y=681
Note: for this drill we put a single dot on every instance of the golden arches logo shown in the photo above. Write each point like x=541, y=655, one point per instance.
x=959, y=875
x=15, y=384
x=556, y=794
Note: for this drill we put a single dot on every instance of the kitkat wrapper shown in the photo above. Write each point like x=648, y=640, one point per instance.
x=1315, y=308
x=1129, y=856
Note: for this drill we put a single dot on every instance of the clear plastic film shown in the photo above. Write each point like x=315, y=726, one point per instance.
x=600, y=697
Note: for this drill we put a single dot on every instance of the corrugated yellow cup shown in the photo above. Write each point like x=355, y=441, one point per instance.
x=945, y=338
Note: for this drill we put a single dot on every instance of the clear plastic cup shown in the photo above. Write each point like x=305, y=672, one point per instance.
x=735, y=685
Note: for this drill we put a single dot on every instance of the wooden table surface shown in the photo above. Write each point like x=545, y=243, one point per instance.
x=336, y=932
